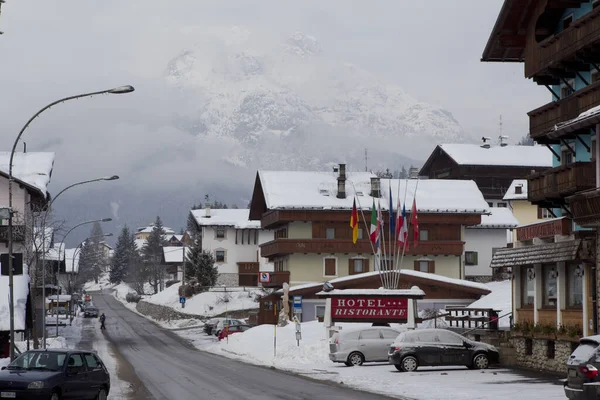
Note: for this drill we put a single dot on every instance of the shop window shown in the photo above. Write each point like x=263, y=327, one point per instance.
x=528, y=347
x=527, y=286
x=550, y=349
x=423, y=235
x=471, y=258
x=549, y=280
x=575, y=286
x=330, y=233
x=330, y=267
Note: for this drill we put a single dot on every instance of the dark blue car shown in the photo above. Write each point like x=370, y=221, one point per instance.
x=55, y=375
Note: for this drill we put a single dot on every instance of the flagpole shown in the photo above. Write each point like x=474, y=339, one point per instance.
x=409, y=223
x=366, y=227
x=404, y=243
x=381, y=247
x=397, y=227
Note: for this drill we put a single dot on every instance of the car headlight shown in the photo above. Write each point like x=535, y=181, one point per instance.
x=35, y=385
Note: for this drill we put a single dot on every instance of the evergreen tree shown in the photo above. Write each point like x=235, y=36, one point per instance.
x=191, y=225
x=526, y=141
x=152, y=254
x=200, y=265
x=137, y=274
x=403, y=173
x=120, y=260
x=99, y=261
x=86, y=264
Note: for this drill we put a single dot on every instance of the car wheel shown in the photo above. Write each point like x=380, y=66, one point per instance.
x=399, y=367
x=481, y=361
x=409, y=364
x=102, y=395
x=348, y=364
x=356, y=359
x=55, y=396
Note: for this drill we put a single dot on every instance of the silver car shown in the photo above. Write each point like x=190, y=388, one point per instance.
x=360, y=346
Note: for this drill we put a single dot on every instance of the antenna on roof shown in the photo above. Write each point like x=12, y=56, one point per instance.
x=502, y=140
x=485, y=140
x=366, y=164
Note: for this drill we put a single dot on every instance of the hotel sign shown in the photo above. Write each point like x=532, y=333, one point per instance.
x=544, y=229
x=377, y=309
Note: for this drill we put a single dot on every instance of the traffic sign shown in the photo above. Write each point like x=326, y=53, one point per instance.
x=297, y=302
x=182, y=299
x=264, y=277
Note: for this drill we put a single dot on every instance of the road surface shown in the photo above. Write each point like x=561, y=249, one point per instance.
x=169, y=367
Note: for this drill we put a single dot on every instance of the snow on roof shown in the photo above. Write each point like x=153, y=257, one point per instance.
x=542, y=221
x=407, y=272
x=139, y=243
x=237, y=218
x=499, y=299
x=511, y=193
x=317, y=190
x=148, y=229
x=173, y=254
x=61, y=298
x=514, y=156
x=70, y=264
x=55, y=253
x=20, y=290
x=415, y=291
x=33, y=169
x=499, y=217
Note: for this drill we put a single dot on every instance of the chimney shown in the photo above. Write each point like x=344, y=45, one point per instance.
x=341, y=194
x=375, y=187
x=413, y=173
x=207, y=210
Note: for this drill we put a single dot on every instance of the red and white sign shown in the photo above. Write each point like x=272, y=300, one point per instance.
x=264, y=277
x=369, y=307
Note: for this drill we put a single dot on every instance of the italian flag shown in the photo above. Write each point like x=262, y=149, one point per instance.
x=374, y=234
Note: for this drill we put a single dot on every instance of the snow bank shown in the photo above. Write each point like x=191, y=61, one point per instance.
x=20, y=290
x=500, y=299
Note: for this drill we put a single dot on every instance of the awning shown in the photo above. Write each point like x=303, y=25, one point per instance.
x=537, y=254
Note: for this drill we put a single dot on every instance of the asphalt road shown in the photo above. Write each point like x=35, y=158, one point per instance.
x=170, y=368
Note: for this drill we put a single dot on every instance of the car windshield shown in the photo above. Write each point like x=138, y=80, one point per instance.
x=43, y=361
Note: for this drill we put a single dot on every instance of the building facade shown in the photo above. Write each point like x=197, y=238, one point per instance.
x=309, y=213
x=235, y=243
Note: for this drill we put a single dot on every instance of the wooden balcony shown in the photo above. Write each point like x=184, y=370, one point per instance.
x=248, y=268
x=280, y=247
x=582, y=35
x=552, y=186
x=542, y=120
x=585, y=208
x=277, y=279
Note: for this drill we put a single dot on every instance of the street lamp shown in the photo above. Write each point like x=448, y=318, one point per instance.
x=65, y=258
x=117, y=90
x=48, y=208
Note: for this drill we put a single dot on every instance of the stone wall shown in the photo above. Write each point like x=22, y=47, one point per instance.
x=479, y=278
x=162, y=313
x=230, y=280
x=539, y=358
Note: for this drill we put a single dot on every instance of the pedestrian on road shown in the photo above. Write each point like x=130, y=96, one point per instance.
x=102, y=319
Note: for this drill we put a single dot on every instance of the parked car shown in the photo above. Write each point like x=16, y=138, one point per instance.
x=230, y=330
x=431, y=347
x=225, y=322
x=55, y=374
x=582, y=370
x=210, y=325
x=357, y=347
x=91, y=312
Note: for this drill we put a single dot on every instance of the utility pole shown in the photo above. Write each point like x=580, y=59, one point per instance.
x=366, y=163
x=183, y=276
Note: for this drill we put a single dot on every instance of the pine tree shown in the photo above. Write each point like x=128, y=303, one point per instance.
x=152, y=253
x=200, y=265
x=99, y=261
x=137, y=274
x=120, y=259
x=526, y=141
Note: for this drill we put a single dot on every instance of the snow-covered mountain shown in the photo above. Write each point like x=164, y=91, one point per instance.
x=291, y=105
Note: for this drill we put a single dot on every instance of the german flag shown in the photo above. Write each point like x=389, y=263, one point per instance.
x=354, y=222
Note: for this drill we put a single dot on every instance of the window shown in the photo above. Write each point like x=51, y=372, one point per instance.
x=544, y=213
x=471, y=258
x=423, y=235
x=425, y=266
x=330, y=267
x=330, y=233
x=519, y=189
x=449, y=338
x=357, y=266
x=220, y=256
x=370, y=334
x=567, y=90
x=360, y=233
x=92, y=361
x=268, y=306
x=527, y=282
x=490, y=204
x=389, y=334
x=567, y=21
x=550, y=349
x=320, y=312
x=566, y=157
x=528, y=347
x=76, y=363
x=549, y=278
x=502, y=204
x=575, y=285
x=220, y=233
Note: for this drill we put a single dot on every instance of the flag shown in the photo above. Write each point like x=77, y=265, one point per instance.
x=354, y=222
x=403, y=235
x=379, y=224
x=392, y=219
x=414, y=221
x=374, y=233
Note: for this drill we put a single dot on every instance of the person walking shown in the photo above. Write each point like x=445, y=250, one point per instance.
x=102, y=320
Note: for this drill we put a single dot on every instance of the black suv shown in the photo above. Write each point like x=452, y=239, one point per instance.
x=582, y=370
x=55, y=375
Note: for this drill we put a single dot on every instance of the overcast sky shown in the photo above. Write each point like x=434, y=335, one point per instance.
x=52, y=49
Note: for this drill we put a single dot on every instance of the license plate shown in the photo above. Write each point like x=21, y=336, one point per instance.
x=572, y=373
x=8, y=395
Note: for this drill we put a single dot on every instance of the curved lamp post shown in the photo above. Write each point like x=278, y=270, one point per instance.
x=48, y=208
x=117, y=90
x=65, y=258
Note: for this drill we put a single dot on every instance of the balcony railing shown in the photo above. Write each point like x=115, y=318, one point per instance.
x=583, y=32
x=277, y=279
x=555, y=184
x=543, y=119
x=280, y=247
x=248, y=268
x=585, y=208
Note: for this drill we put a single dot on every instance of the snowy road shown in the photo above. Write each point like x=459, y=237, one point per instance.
x=171, y=368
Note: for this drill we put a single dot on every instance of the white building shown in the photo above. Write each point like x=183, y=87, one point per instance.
x=482, y=239
x=234, y=241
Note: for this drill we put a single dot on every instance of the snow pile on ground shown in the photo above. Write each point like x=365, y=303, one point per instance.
x=103, y=283
x=500, y=299
x=20, y=292
x=214, y=302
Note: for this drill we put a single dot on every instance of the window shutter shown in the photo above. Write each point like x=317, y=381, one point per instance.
x=366, y=265
x=350, y=266
x=475, y=256
x=416, y=265
x=330, y=266
x=540, y=215
x=431, y=267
